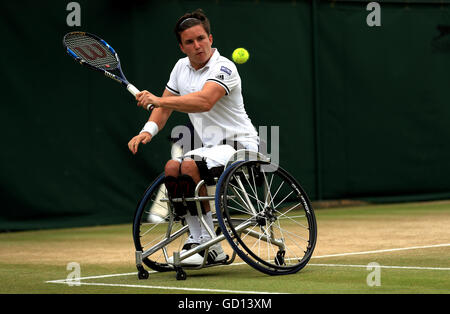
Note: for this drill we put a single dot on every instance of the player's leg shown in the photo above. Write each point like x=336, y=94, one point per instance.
x=189, y=169
x=175, y=190
x=172, y=173
x=190, y=174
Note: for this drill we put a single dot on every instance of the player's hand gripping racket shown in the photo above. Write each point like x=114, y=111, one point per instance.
x=93, y=52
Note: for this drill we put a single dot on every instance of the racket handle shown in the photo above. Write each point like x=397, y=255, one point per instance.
x=134, y=91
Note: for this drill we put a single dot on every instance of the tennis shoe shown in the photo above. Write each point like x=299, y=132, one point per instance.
x=193, y=260
x=215, y=252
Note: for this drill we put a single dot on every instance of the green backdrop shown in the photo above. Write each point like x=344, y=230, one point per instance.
x=363, y=112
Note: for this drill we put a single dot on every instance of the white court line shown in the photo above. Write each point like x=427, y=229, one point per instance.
x=95, y=277
x=160, y=287
x=66, y=281
x=72, y=282
x=384, y=266
x=386, y=250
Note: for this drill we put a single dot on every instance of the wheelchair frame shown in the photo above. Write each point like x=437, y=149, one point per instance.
x=233, y=226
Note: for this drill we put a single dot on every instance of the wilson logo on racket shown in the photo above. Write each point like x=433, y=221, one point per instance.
x=92, y=54
x=112, y=76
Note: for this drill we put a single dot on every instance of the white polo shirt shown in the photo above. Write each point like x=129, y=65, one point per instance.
x=228, y=118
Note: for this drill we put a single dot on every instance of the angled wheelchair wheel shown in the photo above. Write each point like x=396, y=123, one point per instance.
x=156, y=233
x=266, y=217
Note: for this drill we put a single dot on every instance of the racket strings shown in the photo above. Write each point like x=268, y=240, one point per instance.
x=92, y=51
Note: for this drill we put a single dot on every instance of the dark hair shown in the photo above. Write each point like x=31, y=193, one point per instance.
x=192, y=19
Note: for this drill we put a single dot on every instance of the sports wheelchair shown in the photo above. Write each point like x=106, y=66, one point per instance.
x=258, y=208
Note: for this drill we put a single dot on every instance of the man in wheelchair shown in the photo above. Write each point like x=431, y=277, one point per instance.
x=207, y=87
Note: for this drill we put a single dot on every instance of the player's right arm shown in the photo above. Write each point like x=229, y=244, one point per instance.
x=158, y=116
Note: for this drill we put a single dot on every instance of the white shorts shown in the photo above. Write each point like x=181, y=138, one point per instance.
x=215, y=156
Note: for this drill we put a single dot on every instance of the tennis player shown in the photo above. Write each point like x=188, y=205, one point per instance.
x=207, y=87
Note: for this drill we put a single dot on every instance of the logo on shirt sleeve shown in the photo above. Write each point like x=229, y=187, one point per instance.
x=225, y=69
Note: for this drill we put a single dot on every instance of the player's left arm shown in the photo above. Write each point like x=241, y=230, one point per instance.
x=201, y=101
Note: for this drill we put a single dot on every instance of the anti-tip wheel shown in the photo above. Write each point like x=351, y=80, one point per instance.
x=142, y=273
x=181, y=274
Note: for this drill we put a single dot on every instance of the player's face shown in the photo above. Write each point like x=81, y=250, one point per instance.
x=196, y=44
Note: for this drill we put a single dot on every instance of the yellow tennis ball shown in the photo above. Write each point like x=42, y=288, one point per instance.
x=240, y=55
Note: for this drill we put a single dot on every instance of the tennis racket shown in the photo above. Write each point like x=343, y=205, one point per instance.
x=93, y=52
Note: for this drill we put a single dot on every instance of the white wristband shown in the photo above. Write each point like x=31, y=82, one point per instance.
x=150, y=127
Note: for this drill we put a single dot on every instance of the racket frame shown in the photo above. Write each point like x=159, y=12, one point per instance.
x=118, y=78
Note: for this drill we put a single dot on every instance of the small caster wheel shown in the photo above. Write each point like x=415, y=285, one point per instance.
x=142, y=273
x=279, y=259
x=181, y=274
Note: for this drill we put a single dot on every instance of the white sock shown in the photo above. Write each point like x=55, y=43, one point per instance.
x=209, y=221
x=195, y=227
